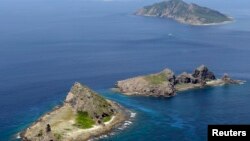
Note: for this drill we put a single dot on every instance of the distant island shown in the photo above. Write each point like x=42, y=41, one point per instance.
x=166, y=84
x=83, y=115
x=183, y=12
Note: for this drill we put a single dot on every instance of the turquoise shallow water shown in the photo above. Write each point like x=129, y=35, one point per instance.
x=45, y=46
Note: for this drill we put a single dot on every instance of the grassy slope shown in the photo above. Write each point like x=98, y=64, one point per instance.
x=84, y=121
x=106, y=119
x=156, y=79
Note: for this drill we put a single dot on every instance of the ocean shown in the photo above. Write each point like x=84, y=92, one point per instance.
x=47, y=45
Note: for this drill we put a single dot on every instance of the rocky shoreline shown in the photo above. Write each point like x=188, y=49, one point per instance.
x=166, y=84
x=60, y=124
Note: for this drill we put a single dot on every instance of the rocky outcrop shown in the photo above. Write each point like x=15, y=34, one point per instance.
x=83, y=99
x=167, y=84
x=186, y=78
x=82, y=109
x=228, y=80
x=203, y=74
x=184, y=13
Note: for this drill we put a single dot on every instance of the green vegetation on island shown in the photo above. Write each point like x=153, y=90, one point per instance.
x=106, y=119
x=184, y=13
x=83, y=120
x=156, y=79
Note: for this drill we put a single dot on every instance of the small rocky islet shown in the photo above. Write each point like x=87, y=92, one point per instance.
x=183, y=12
x=83, y=115
x=166, y=84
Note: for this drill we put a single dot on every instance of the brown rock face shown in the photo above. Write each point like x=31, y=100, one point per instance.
x=81, y=98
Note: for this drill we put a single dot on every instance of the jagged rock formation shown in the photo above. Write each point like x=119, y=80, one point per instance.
x=82, y=108
x=166, y=84
x=183, y=12
x=186, y=78
x=200, y=75
x=203, y=74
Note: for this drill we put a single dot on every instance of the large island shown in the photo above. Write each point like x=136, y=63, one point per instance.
x=166, y=84
x=183, y=12
x=83, y=115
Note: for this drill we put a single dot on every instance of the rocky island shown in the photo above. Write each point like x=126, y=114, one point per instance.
x=83, y=115
x=166, y=84
x=183, y=12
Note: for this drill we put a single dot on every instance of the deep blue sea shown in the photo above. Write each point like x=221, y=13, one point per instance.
x=47, y=45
